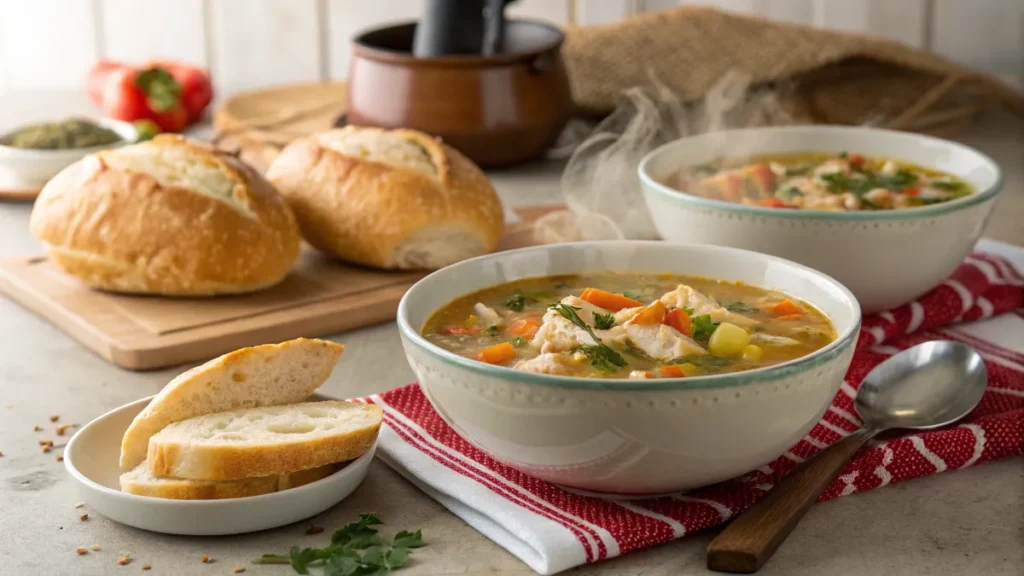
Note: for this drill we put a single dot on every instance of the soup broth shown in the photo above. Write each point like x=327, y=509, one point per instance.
x=833, y=182
x=627, y=325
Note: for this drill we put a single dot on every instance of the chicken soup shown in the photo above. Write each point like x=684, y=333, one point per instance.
x=627, y=325
x=833, y=182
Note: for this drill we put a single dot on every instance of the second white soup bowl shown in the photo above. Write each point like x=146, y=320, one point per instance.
x=630, y=437
x=886, y=257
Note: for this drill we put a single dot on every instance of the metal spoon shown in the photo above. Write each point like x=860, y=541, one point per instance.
x=927, y=386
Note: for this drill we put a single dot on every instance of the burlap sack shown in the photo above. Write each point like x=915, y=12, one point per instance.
x=838, y=77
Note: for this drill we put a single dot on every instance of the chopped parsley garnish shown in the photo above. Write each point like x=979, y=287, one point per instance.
x=519, y=342
x=741, y=307
x=798, y=170
x=603, y=321
x=839, y=182
x=703, y=327
x=601, y=356
x=355, y=550
x=604, y=358
x=951, y=185
x=518, y=301
x=493, y=331
x=632, y=295
x=788, y=193
x=843, y=154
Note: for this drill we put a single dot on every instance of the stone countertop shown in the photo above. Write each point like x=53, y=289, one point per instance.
x=967, y=522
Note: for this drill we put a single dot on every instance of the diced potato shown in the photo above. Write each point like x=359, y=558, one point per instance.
x=753, y=353
x=728, y=340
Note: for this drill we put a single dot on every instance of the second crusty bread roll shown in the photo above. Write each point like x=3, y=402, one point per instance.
x=393, y=199
x=168, y=216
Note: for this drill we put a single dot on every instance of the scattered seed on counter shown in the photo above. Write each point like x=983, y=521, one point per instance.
x=81, y=551
x=147, y=567
x=1, y=454
x=314, y=530
x=126, y=559
x=63, y=428
x=95, y=547
x=46, y=443
x=207, y=560
x=238, y=570
x=45, y=448
x=60, y=457
x=55, y=417
x=83, y=517
x=80, y=504
x=37, y=428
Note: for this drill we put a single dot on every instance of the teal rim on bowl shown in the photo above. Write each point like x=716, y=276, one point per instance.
x=651, y=184
x=844, y=341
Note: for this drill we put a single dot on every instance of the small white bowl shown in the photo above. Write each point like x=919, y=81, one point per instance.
x=91, y=458
x=630, y=437
x=22, y=168
x=886, y=258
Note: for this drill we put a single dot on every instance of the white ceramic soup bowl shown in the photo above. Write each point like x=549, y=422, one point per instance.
x=886, y=258
x=630, y=437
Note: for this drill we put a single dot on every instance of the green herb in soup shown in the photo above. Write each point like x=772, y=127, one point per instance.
x=72, y=133
x=626, y=325
x=835, y=182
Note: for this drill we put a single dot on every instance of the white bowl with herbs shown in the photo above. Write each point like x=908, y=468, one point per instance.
x=888, y=214
x=31, y=155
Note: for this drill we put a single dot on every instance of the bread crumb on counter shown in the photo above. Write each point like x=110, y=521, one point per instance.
x=147, y=567
x=207, y=560
x=1, y=454
x=314, y=530
x=83, y=517
x=238, y=570
x=126, y=559
x=80, y=504
x=37, y=428
x=63, y=428
x=60, y=457
x=81, y=551
x=55, y=417
x=95, y=547
x=48, y=443
x=45, y=448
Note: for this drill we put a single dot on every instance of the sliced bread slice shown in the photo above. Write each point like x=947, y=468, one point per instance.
x=264, y=441
x=139, y=481
x=267, y=375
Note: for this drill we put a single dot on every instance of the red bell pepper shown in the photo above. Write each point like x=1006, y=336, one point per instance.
x=169, y=94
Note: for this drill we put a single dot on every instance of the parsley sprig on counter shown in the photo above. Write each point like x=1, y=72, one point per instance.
x=355, y=550
x=601, y=355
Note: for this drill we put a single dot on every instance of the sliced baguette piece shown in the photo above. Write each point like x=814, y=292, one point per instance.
x=140, y=481
x=264, y=441
x=267, y=375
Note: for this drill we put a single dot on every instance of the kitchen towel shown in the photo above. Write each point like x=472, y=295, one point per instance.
x=551, y=529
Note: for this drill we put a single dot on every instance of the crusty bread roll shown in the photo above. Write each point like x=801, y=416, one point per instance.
x=168, y=216
x=388, y=198
x=266, y=375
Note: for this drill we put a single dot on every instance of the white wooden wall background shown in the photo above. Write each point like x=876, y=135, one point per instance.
x=251, y=43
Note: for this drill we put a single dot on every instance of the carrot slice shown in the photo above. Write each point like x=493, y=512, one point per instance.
x=912, y=192
x=856, y=160
x=764, y=178
x=608, y=300
x=525, y=327
x=497, y=354
x=771, y=203
x=680, y=320
x=785, y=308
x=653, y=314
x=461, y=330
x=672, y=371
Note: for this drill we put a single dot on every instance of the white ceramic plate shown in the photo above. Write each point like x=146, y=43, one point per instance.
x=91, y=458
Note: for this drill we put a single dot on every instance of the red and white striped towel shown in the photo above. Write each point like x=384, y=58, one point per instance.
x=552, y=530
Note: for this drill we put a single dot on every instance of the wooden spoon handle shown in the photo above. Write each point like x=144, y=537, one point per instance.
x=746, y=544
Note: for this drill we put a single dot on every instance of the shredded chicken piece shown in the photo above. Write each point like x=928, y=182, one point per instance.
x=558, y=334
x=488, y=317
x=686, y=297
x=640, y=375
x=662, y=342
x=762, y=338
x=549, y=363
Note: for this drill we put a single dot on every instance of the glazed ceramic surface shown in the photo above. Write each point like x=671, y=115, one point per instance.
x=27, y=168
x=886, y=258
x=91, y=459
x=630, y=436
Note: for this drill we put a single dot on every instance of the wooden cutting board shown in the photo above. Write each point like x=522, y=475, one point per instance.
x=319, y=298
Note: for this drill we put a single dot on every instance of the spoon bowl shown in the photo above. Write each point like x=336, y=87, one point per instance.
x=927, y=386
